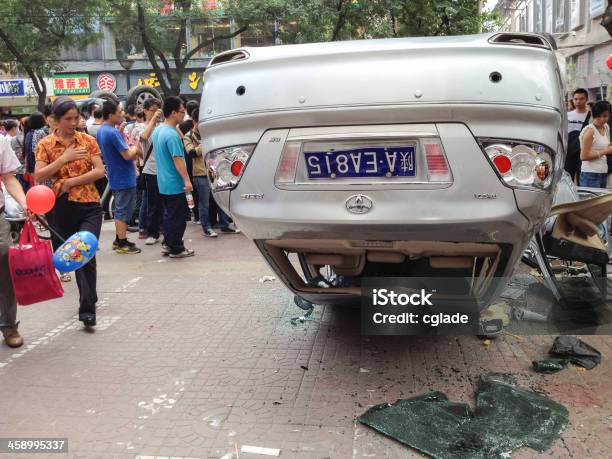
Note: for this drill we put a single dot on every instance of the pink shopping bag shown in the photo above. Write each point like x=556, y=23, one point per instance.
x=32, y=272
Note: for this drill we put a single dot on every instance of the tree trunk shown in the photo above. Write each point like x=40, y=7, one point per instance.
x=42, y=99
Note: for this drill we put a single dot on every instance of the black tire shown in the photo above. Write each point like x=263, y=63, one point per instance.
x=137, y=95
x=106, y=95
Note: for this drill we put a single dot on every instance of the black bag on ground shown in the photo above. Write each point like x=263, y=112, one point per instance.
x=579, y=352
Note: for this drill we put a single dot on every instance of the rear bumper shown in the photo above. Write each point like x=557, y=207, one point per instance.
x=476, y=207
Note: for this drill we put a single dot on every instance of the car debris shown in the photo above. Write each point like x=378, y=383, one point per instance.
x=265, y=279
x=550, y=366
x=506, y=418
x=303, y=318
x=260, y=450
x=526, y=315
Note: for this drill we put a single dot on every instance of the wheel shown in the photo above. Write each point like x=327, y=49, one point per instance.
x=136, y=96
x=107, y=95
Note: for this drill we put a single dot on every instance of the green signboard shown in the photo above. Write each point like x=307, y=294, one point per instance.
x=77, y=83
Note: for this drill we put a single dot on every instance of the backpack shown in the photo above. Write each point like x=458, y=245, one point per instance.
x=573, y=141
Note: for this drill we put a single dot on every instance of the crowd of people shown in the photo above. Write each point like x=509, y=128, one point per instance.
x=589, y=152
x=151, y=156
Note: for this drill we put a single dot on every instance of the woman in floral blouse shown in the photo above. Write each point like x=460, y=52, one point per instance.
x=72, y=161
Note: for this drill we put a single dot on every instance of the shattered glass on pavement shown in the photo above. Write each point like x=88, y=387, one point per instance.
x=506, y=418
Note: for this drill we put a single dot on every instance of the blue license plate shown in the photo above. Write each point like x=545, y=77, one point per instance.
x=362, y=162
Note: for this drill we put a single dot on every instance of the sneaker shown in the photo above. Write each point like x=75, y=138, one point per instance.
x=128, y=249
x=132, y=229
x=209, y=233
x=116, y=244
x=229, y=230
x=12, y=338
x=184, y=254
x=142, y=235
x=165, y=250
x=152, y=240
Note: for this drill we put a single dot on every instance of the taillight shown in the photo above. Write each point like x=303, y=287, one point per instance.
x=226, y=166
x=437, y=165
x=236, y=168
x=520, y=164
x=287, y=166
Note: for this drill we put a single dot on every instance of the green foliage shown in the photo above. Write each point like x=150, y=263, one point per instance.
x=33, y=32
x=167, y=27
x=325, y=20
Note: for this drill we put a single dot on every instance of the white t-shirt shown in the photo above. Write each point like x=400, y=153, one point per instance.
x=575, y=120
x=600, y=142
x=8, y=162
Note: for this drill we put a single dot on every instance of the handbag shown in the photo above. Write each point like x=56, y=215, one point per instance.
x=32, y=271
x=140, y=184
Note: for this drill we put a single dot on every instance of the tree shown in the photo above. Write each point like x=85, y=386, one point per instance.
x=160, y=28
x=301, y=21
x=34, y=32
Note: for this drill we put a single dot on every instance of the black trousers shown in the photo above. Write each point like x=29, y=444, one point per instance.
x=154, y=206
x=175, y=214
x=68, y=218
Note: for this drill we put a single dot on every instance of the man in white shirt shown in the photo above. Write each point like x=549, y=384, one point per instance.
x=576, y=119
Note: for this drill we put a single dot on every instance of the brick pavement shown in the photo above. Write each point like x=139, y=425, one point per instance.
x=194, y=358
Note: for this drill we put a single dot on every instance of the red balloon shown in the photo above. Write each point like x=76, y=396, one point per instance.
x=40, y=199
x=609, y=61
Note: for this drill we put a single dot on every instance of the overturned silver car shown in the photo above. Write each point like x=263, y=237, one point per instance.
x=387, y=158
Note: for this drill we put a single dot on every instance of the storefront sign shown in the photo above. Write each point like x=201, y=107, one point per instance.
x=106, y=82
x=193, y=79
x=12, y=88
x=71, y=84
x=151, y=81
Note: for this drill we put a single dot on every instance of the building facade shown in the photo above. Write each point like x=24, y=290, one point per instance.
x=575, y=24
x=116, y=65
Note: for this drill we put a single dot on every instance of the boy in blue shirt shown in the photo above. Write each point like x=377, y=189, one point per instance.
x=121, y=171
x=172, y=178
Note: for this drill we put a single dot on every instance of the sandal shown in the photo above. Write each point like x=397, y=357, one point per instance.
x=65, y=277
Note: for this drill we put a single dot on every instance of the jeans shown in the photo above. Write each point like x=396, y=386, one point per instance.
x=125, y=201
x=70, y=217
x=8, y=304
x=593, y=179
x=175, y=214
x=154, y=206
x=203, y=187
